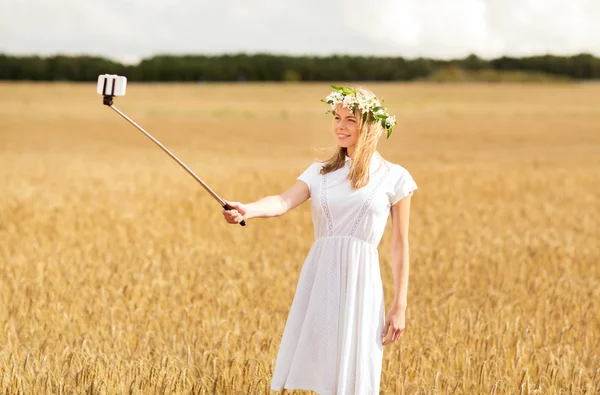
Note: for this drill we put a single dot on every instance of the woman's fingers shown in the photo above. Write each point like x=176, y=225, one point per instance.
x=230, y=215
x=385, y=329
x=395, y=333
x=236, y=214
x=234, y=205
x=233, y=216
x=237, y=218
x=398, y=333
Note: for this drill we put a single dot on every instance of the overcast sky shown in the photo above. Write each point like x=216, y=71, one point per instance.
x=128, y=30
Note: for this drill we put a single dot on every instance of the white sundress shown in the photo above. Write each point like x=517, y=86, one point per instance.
x=332, y=341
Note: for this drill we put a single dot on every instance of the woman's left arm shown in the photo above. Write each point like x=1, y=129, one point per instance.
x=400, y=250
x=395, y=320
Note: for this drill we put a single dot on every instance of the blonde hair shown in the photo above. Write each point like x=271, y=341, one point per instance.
x=368, y=135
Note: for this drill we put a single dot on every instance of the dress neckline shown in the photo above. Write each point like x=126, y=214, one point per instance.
x=376, y=159
x=341, y=175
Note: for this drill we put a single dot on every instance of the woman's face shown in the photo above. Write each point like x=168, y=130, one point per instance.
x=345, y=127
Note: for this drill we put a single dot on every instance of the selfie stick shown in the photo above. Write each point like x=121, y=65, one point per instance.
x=110, y=85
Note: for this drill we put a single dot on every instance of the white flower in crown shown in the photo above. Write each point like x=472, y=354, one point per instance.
x=371, y=108
x=363, y=103
x=334, y=98
x=390, y=121
x=367, y=104
x=350, y=102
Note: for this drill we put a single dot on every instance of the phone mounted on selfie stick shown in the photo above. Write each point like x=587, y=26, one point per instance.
x=110, y=85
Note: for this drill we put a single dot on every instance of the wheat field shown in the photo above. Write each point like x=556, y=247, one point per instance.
x=118, y=274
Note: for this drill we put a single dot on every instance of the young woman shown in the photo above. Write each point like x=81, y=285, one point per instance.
x=336, y=328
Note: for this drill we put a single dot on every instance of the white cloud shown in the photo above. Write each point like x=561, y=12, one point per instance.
x=544, y=26
x=436, y=28
x=129, y=30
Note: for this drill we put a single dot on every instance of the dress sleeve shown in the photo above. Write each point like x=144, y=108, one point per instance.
x=308, y=176
x=404, y=185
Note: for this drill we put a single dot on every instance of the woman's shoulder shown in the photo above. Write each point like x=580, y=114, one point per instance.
x=394, y=166
x=314, y=168
x=400, y=182
x=317, y=165
x=397, y=170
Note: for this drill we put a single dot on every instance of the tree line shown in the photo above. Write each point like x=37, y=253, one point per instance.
x=269, y=67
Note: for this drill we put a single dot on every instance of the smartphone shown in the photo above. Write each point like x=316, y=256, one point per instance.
x=111, y=85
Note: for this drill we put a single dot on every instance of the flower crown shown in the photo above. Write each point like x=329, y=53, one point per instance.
x=371, y=108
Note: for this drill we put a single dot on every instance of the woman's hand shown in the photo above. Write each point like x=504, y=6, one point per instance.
x=394, y=324
x=237, y=215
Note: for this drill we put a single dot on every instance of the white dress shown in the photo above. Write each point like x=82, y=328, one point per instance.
x=332, y=341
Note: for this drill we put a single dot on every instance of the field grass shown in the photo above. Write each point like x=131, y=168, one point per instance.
x=119, y=275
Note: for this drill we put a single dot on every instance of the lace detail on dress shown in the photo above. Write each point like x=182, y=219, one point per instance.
x=367, y=203
x=326, y=206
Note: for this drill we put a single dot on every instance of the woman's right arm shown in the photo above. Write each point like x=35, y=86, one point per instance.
x=269, y=206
